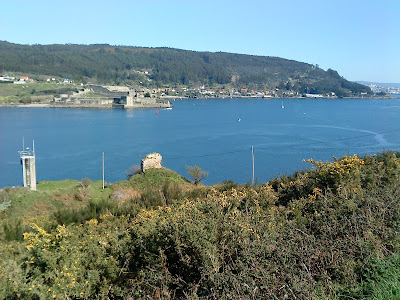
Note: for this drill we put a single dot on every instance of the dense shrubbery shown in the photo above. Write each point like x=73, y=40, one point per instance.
x=330, y=232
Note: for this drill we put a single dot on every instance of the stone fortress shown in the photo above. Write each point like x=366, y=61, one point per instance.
x=108, y=96
x=152, y=160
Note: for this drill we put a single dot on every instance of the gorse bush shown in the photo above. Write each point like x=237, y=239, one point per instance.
x=13, y=229
x=93, y=210
x=329, y=232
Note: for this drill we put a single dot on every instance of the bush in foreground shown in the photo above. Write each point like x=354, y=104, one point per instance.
x=330, y=232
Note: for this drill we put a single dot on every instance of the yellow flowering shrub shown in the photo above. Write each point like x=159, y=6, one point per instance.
x=315, y=234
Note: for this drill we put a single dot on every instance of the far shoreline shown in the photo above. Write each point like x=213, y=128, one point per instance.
x=106, y=106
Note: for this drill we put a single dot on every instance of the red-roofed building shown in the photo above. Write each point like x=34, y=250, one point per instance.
x=23, y=79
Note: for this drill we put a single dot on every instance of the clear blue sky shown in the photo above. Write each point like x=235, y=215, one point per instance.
x=358, y=38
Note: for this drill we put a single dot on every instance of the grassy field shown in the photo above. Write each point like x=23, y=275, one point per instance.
x=28, y=92
x=51, y=196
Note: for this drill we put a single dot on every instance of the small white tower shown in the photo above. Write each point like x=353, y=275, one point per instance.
x=29, y=167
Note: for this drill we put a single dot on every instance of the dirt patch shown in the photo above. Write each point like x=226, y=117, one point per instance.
x=122, y=195
x=74, y=200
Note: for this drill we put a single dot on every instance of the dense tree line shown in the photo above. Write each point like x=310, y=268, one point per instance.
x=114, y=64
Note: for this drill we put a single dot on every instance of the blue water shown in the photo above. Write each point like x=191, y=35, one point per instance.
x=69, y=142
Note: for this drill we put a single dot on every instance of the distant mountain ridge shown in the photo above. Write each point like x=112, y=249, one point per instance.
x=156, y=67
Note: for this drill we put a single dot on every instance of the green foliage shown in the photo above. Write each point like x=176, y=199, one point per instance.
x=115, y=64
x=380, y=280
x=13, y=229
x=57, y=185
x=153, y=178
x=24, y=92
x=226, y=185
x=93, y=210
x=197, y=173
x=330, y=232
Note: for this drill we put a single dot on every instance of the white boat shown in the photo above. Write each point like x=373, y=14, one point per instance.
x=282, y=105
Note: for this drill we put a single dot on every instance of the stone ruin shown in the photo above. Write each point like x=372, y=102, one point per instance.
x=152, y=160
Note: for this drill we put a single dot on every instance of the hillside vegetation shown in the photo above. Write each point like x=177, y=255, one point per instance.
x=32, y=92
x=331, y=232
x=155, y=67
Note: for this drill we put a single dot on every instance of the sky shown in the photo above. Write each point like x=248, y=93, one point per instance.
x=358, y=38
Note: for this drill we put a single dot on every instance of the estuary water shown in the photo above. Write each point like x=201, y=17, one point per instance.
x=215, y=134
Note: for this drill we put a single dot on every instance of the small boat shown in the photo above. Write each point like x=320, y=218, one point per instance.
x=239, y=119
x=169, y=107
x=157, y=112
x=282, y=105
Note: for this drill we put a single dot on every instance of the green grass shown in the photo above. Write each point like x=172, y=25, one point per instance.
x=52, y=196
x=381, y=280
x=158, y=187
x=91, y=96
x=386, y=283
x=26, y=202
x=155, y=178
x=54, y=185
x=66, y=200
x=10, y=92
x=95, y=191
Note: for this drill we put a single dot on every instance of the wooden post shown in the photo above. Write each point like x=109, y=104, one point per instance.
x=252, y=158
x=103, y=170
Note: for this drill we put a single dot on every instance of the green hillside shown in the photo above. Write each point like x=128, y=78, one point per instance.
x=331, y=232
x=155, y=67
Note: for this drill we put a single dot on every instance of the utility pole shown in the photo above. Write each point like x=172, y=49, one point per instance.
x=103, y=170
x=252, y=159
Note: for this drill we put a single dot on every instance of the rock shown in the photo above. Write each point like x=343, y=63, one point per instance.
x=152, y=160
x=118, y=196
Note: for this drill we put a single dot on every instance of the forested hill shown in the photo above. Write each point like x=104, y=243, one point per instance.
x=159, y=66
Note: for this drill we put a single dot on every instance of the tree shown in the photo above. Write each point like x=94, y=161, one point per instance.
x=197, y=173
x=85, y=182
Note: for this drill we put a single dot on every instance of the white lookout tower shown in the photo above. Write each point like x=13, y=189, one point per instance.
x=29, y=167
